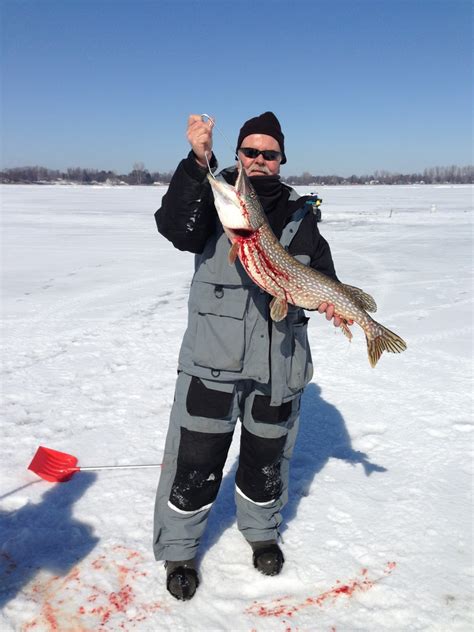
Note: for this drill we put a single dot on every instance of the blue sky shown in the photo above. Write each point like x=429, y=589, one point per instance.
x=358, y=85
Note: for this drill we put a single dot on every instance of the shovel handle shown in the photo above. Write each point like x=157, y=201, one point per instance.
x=117, y=467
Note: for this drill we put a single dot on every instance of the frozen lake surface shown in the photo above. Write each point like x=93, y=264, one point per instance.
x=378, y=532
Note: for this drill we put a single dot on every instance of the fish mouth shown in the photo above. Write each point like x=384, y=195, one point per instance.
x=224, y=191
x=239, y=234
x=231, y=209
x=219, y=186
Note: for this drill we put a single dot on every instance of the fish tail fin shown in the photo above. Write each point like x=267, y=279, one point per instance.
x=384, y=340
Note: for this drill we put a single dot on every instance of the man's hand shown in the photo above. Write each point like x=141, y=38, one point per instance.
x=328, y=309
x=199, y=134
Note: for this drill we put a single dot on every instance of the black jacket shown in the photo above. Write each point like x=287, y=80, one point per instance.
x=188, y=217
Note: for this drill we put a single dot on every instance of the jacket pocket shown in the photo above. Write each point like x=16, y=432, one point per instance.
x=220, y=330
x=300, y=365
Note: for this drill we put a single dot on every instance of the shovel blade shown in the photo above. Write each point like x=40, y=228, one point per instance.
x=53, y=466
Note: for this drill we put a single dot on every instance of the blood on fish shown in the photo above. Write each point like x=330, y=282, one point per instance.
x=253, y=257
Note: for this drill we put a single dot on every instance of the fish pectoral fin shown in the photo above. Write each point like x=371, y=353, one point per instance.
x=345, y=329
x=278, y=309
x=233, y=252
x=360, y=298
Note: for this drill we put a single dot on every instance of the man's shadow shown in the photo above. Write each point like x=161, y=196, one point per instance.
x=43, y=536
x=322, y=435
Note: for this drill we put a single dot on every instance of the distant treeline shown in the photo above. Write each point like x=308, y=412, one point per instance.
x=141, y=176
x=78, y=175
x=433, y=175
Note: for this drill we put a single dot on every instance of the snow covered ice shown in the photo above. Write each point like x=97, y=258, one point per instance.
x=378, y=531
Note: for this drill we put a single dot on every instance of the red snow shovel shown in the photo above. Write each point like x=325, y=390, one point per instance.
x=58, y=467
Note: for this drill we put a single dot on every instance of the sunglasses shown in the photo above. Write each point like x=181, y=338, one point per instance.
x=268, y=154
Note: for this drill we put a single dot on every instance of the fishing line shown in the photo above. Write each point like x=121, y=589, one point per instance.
x=205, y=118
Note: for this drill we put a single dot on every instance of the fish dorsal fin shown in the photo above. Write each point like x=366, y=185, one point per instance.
x=360, y=298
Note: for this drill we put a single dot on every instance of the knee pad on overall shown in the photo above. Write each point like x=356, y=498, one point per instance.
x=201, y=455
x=258, y=476
x=201, y=458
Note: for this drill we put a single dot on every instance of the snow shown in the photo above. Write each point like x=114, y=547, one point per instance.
x=378, y=531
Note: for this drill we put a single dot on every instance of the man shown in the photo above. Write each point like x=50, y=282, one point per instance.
x=235, y=362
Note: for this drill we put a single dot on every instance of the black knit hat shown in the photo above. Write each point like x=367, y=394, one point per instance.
x=266, y=123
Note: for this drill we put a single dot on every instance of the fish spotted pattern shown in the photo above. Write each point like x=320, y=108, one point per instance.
x=273, y=269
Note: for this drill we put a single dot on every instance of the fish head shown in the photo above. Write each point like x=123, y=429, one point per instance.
x=238, y=207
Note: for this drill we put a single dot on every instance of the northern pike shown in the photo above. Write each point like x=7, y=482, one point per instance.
x=277, y=272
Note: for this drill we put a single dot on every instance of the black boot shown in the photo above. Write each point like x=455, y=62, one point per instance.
x=182, y=579
x=267, y=557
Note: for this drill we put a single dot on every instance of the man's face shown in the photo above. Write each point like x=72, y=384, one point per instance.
x=258, y=166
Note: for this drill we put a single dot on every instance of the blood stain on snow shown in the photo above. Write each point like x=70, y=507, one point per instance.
x=50, y=617
x=358, y=585
x=122, y=599
x=77, y=602
x=98, y=564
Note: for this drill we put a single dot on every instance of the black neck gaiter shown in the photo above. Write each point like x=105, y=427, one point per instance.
x=273, y=197
x=268, y=189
